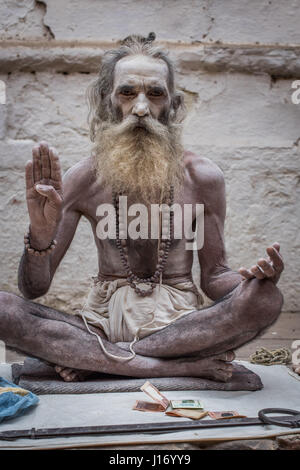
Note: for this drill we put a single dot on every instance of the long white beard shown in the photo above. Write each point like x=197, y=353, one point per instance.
x=141, y=161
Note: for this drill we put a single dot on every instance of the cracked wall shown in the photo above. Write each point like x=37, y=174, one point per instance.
x=190, y=20
x=242, y=119
x=23, y=19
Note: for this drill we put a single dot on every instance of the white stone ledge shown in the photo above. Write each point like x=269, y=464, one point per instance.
x=85, y=56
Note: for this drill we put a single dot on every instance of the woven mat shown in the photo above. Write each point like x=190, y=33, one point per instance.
x=41, y=378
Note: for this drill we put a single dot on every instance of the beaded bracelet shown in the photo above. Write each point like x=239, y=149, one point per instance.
x=35, y=252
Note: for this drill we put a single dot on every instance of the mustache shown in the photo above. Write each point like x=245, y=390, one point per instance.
x=132, y=123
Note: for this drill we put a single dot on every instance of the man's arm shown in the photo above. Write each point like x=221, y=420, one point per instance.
x=217, y=279
x=56, y=220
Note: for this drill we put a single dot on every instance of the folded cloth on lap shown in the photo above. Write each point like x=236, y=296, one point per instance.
x=123, y=315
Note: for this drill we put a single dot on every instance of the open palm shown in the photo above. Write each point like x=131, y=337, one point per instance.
x=44, y=191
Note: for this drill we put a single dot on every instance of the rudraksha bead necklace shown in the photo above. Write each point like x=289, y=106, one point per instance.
x=163, y=252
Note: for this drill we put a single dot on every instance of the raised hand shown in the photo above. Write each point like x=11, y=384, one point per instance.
x=270, y=268
x=43, y=194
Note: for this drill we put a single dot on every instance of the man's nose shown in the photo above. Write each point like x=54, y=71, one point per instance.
x=141, y=107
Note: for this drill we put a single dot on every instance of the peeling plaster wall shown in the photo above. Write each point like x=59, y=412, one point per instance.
x=236, y=61
x=23, y=19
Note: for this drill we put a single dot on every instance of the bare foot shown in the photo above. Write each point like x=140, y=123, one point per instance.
x=72, y=375
x=215, y=367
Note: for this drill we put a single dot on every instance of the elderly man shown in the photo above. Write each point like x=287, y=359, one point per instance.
x=143, y=315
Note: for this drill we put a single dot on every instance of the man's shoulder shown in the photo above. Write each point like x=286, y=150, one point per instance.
x=78, y=181
x=202, y=170
x=80, y=176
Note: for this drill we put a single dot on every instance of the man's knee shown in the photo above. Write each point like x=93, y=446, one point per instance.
x=10, y=310
x=263, y=301
x=8, y=302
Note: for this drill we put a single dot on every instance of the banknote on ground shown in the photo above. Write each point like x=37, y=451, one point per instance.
x=155, y=394
x=188, y=404
x=185, y=413
x=147, y=406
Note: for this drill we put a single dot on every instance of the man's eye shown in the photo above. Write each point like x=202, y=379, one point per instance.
x=155, y=93
x=127, y=92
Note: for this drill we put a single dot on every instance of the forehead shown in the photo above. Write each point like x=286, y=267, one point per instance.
x=140, y=67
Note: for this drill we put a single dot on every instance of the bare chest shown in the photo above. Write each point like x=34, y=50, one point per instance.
x=143, y=226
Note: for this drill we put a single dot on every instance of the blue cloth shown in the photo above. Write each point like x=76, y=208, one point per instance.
x=12, y=404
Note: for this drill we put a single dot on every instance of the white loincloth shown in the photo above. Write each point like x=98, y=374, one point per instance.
x=124, y=316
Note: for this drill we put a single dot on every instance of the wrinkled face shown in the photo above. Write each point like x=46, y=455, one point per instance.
x=138, y=150
x=141, y=89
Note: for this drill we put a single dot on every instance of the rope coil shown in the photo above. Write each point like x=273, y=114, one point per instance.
x=272, y=357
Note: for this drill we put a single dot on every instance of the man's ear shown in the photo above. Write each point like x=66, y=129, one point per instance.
x=178, y=106
x=178, y=100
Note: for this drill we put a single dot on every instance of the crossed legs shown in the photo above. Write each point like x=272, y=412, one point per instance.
x=200, y=344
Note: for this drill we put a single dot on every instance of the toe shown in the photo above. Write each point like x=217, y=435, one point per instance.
x=225, y=372
x=70, y=377
x=66, y=373
x=226, y=357
x=230, y=356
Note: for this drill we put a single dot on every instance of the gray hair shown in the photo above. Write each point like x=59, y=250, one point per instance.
x=98, y=93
